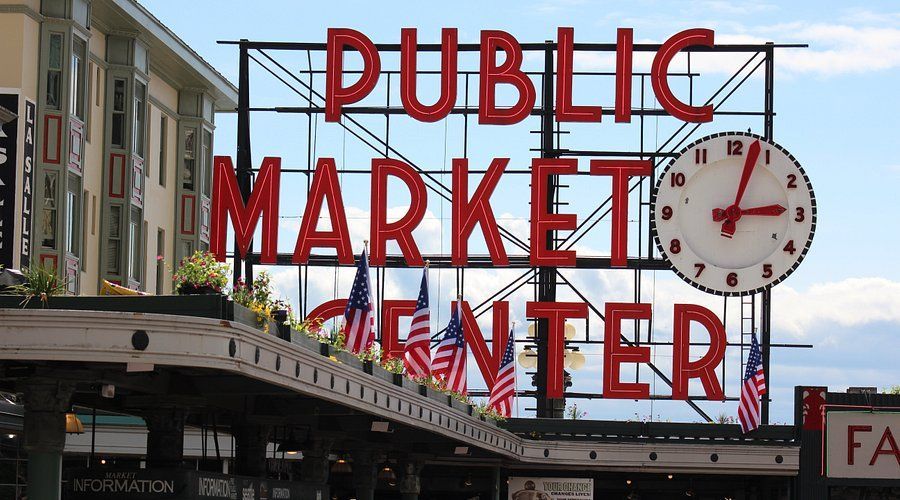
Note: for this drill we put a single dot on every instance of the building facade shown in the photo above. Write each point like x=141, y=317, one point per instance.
x=109, y=110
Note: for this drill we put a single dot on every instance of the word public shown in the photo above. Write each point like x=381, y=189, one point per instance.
x=471, y=210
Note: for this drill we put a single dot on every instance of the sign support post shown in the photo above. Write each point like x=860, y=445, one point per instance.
x=546, y=276
x=766, y=313
x=244, y=161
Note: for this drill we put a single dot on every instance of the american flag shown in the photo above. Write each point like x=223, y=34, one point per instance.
x=359, y=320
x=753, y=388
x=449, y=362
x=504, y=389
x=417, y=353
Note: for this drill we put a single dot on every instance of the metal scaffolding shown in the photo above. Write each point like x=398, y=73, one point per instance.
x=546, y=281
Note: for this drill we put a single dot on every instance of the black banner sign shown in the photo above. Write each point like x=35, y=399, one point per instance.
x=9, y=139
x=27, y=181
x=146, y=484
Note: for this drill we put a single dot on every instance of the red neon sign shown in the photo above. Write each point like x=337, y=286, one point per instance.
x=473, y=208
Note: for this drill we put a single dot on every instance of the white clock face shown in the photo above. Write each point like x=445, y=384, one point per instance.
x=733, y=213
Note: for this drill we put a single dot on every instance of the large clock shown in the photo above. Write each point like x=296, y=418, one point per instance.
x=733, y=213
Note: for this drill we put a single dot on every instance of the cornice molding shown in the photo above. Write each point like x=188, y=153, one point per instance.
x=22, y=9
x=165, y=109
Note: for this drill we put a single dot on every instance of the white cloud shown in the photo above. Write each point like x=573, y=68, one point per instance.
x=861, y=43
x=849, y=303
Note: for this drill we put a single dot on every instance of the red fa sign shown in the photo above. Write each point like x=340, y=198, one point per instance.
x=862, y=444
x=471, y=209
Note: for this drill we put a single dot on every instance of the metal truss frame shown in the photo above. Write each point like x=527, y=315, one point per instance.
x=545, y=280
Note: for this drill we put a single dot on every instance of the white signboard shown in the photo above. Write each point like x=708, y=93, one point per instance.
x=862, y=445
x=551, y=488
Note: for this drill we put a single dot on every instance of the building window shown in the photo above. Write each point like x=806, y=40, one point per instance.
x=163, y=145
x=54, y=71
x=189, y=170
x=134, y=245
x=118, y=113
x=140, y=109
x=77, y=86
x=97, y=94
x=207, y=162
x=113, y=249
x=85, y=217
x=187, y=248
x=160, y=261
x=73, y=216
x=49, y=210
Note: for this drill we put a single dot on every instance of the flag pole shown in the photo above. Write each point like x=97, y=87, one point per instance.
x=512, y=331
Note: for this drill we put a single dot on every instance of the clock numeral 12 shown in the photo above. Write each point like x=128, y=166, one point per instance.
x=735, y=148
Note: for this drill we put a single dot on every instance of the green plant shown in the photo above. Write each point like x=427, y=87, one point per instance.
x=894, y=389
x=572, y=412
x=373, y=353
x=724, y=418
x=40, y=282
x=484, y=410
x=393, y=365
x=201, y=270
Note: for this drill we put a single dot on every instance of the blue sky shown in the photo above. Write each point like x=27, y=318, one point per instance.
x=836, y=111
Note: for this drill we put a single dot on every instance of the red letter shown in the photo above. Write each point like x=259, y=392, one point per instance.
x=556, y=314
x=624, y=53
x=851, y=439
x=683, y=369
x=467, y=213
x=411, y=103
x=614, y=353
x=620, y=171
x=226, y=200
x=324, y=186
x=391, y=311
x=565, y=110
x=510, y=72
x=894, y=451
x=488, y=362
x=336, y=95
x=328, y=310
x=659, y=75
x=542, y=221
x=401, y=230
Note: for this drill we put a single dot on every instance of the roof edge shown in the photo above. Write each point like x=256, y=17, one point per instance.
x=224, y=89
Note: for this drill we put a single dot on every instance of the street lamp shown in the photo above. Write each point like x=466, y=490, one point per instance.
x=6, y=116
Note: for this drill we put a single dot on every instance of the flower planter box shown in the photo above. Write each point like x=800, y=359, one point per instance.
x=245, y=316
x=204, y=306
x=378, y=371
x=349, y=359
x=281, y=330
x=459, y=405
x=405, y=382
x=437, y=396
x=306, y=342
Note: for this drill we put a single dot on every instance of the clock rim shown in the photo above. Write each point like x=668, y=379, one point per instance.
x=715, y=291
